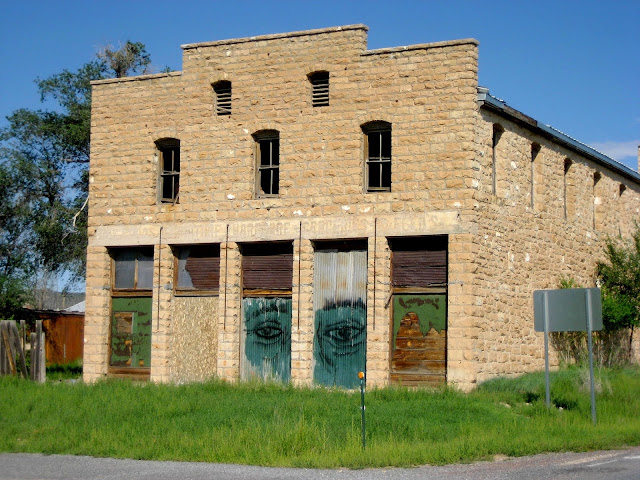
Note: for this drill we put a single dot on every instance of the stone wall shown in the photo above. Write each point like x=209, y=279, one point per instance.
x=522, y=248
x=500, y=248
x=427, y=92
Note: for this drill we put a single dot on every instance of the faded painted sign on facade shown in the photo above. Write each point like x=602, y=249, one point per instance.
x=340, y=327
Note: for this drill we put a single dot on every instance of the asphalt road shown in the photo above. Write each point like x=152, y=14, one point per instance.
x=609, y=465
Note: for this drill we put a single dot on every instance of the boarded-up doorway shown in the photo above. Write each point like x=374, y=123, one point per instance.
x=131, y=290
x=340, y=306
x=131, y=332
x=267, y=275
x=419, y=327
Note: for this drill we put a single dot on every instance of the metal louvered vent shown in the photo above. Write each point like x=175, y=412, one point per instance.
x=320, y=89
x=223, y=98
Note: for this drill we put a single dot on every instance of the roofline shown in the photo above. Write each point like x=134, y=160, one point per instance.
x=485, y=99
x=138, y=78
x=300, y=33
x=422, y=46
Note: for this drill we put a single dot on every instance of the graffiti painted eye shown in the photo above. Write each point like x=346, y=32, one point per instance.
x=345, y=339
x=343, y=334
x=268, y=331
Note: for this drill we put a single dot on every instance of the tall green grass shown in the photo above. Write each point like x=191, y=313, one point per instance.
x=64, y=371
x=267, y=424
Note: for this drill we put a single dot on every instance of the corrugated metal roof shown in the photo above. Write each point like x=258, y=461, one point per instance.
x=485, y=99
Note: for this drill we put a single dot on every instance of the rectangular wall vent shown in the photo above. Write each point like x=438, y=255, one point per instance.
x=320, y=89
x=223, y=98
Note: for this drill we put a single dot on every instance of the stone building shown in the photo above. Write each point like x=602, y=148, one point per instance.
x=297, y=207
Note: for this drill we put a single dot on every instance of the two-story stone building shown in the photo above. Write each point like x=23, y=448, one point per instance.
x=300, y=208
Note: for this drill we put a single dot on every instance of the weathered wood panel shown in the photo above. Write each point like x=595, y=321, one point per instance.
x=429, y=342
x=419, y=358
x=412, y=380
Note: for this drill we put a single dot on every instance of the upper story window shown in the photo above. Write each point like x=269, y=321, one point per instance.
x=319, y=88
x=169, y=182
x=132, y=268
x=267, y=163
x=378, y=156
x=222, y=90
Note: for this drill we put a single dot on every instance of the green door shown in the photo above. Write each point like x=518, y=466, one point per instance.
x=266, y=330
x=340, y=326
x=131, y=332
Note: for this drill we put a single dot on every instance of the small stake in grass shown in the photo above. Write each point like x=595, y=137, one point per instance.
x=361, y=377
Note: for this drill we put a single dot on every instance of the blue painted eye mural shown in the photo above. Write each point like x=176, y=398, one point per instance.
x=267, y=338
x=340, y=327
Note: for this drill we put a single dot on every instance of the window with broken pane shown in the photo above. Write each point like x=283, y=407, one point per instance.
x=169, y=158
x=268, y=163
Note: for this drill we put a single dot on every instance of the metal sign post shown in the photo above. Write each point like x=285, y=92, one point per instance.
x=589, y=305
x=545, y=300
x=361, y=377
x=568, y=310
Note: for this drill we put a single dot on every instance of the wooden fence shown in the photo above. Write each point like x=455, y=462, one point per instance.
x=13, y=348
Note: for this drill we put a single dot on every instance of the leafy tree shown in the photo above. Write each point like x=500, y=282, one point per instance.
x=15, y=266
x=44, y=175
x=129, y=58
x=619, y=279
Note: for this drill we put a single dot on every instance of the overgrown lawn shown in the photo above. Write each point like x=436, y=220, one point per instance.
x=266, y=424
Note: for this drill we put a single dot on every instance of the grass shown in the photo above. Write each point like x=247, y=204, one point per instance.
x=64, y=371
x=267, y=424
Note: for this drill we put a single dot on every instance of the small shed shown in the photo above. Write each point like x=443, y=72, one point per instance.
x=64, y=333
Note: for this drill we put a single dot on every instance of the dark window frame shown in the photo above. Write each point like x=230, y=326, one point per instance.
x=135, y=290
x=378, y=161
x=169, y=178
x=267, y=153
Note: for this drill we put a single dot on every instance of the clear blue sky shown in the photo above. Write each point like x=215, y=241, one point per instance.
x=572, y=64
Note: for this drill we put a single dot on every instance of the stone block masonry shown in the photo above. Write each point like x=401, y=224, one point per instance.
x=499, y=247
